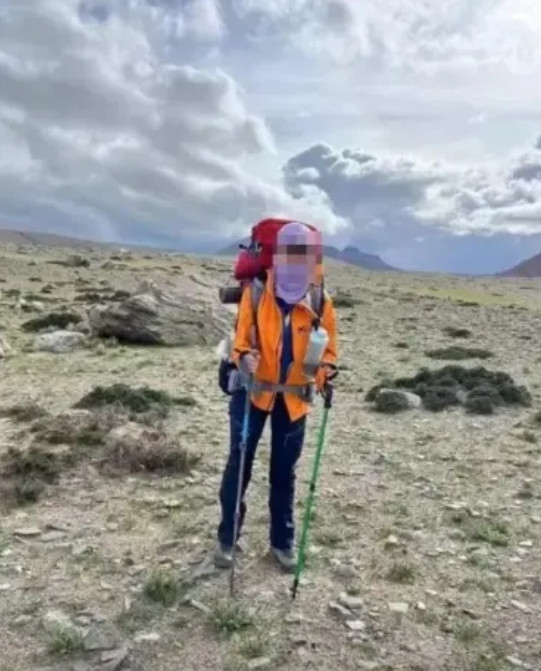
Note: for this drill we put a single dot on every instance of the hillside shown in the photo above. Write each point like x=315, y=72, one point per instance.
x=52, y=240
x=349, y=254
x=529, y=268
x=423, y=551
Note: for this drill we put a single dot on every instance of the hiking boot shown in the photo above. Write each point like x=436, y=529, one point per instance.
x=286, y=559
x=223, y=557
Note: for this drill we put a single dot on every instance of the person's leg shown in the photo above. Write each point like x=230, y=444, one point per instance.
x=286, y=447
x=229, y=485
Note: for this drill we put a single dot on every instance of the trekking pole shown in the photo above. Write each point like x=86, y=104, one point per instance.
x=327, y=396
x=242, y=447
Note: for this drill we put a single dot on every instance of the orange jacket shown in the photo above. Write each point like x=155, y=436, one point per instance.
x=269, y=319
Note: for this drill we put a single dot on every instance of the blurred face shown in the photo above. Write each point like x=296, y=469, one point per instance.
x=299, y=255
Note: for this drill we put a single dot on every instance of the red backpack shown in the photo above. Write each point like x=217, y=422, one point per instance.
x=257, y=257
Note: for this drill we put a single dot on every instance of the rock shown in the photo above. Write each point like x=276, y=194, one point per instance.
x=391, y=541
x=55, y=620
x=399, y=607
x=514, y=661
x=152, y=637
x=103, y=637
x=112, y=660
x=76, y=261
x=27, y=531
x=520, y=606
x=259, y=663
x=59, y=342
x=338, y=610
x=293, y=618
x=5, y=349
x=298, y=641
x=351, y=602
x=394, y=400
x=356, y=625
x=471, y=613
x=190, y=316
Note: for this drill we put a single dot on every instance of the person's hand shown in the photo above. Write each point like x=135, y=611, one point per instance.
x=329, y=371
x=250, y=361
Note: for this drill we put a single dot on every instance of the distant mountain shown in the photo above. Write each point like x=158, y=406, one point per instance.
x=357, y=258
x=529, y=268
x=349, y=254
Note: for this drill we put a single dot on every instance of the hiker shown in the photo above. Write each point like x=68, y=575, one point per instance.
x=285, y=321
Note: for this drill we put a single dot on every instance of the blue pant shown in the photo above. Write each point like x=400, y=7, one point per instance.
x=286, y=446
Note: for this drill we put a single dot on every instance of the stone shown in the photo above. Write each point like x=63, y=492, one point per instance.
x=27, y=531
x=101, y=638
x=191, y=315
x=520, y=606
x=399, y=607
x=394, y=400
x=259, y=663
x=59, y=342
x=338, y=610
x=351, y=602
x=151, y=637
x=298, y=641
x=56, y=619
x=391, y=541
x=112, y=660
x=356, y=625
x=5, y=349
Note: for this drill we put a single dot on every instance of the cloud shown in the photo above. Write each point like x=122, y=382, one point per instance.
x=103, y=134
x=390, y=199
x=431, y=35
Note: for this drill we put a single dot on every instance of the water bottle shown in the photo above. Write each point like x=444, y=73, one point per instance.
x=319, y=339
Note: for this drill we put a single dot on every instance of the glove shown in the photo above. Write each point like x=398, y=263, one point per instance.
x=324, y=375
x=249, y=362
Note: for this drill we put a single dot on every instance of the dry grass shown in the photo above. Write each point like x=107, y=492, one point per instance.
x=433, y=519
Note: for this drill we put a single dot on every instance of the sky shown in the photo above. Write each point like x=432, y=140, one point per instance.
x=410, y=128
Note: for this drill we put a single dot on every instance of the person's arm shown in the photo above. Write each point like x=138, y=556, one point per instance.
x=242, y=343
x=328, y=321
x=330, y=355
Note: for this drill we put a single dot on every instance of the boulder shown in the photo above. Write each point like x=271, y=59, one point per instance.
x=59, y=341
x=395, y=400
x=185, y=316
x=5, y=348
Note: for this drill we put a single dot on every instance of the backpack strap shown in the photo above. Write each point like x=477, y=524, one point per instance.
x=317, y=302
x=256, y=291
